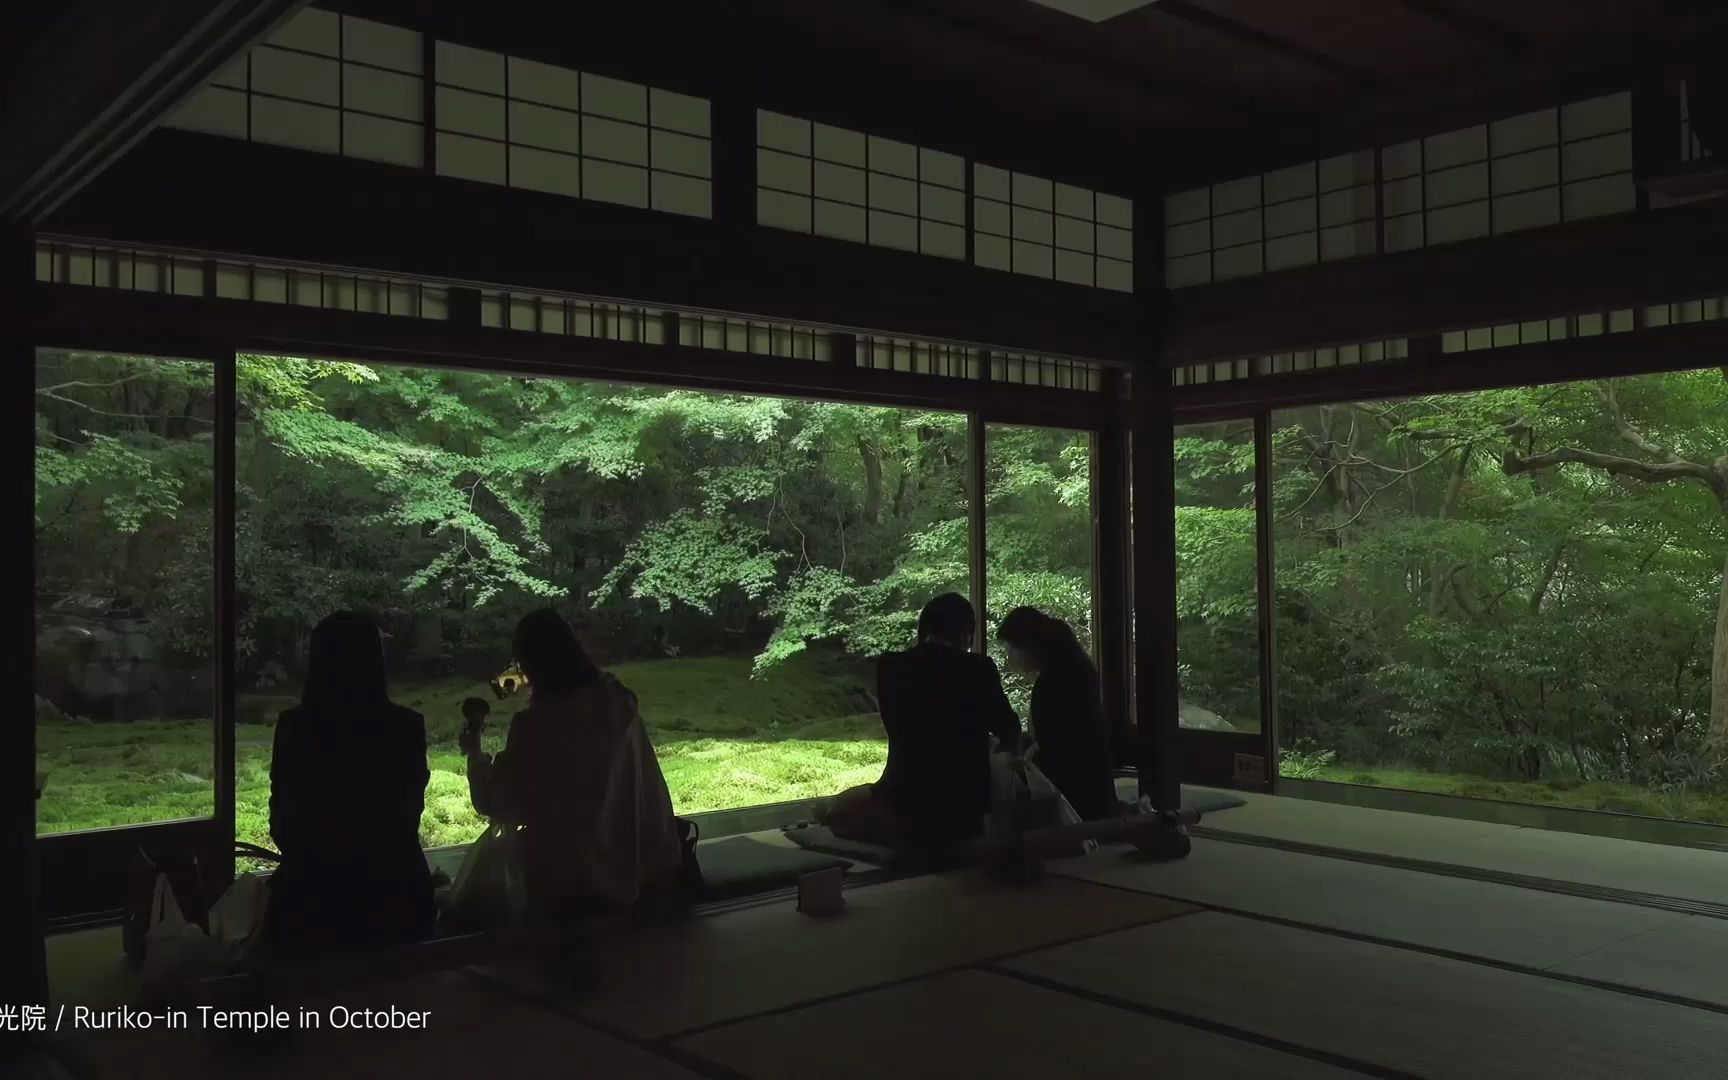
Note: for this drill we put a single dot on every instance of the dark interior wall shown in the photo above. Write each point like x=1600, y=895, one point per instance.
x=185, y=190
x=871, y=67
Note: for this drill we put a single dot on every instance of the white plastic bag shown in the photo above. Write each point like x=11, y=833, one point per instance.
x=238, y=915
x=1014, y=779
x=176, y=951
x=487, y=890
x=1040, y=787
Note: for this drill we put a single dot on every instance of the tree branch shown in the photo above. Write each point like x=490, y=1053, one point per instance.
x=1513, y=463
x=79, y=383
x=1631, y=434
x=47, y=393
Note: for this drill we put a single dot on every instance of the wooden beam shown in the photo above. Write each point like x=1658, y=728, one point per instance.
x=1583, y=267
x=102, y=78
x=185, y=191
x=1502, y=39
x=1683, y=347
x=123, y=321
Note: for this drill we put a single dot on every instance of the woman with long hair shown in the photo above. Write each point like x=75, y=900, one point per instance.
x=347, y=785
x=1071, y=740
x=578, y=773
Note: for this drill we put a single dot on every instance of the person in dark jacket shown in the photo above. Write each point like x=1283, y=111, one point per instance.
x=1071, y=741
x=347, y=785
x=940, y=704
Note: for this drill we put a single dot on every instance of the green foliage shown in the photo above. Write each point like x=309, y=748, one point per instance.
x=691, y=559
x=1305, y=764
x=1444, y=606
x=446, y=502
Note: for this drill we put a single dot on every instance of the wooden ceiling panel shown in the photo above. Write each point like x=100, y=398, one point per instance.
x=1391, y=40
x=1603, y=28
x=1550, y=19
x=1202, y=55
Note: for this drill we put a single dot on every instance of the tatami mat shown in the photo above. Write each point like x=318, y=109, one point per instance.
x=88, y=967
x=1687, y=958
x=1431, y=1016
x=661, y=981
x=1498, y=922
x=1415, y=836
x=1688, y=873
x=471, y=1031
x=971, y=1023
x=1628, y=865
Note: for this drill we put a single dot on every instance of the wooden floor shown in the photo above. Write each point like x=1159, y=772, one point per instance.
x=1242, y=961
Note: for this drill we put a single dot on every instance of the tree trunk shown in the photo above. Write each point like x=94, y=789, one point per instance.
x=1719, y=672
x=1548, y=574
x=1440, y=578
x=872, y=456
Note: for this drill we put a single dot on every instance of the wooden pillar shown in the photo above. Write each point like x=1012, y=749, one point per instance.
x=977, y=484
x=1266, y=588
x=219, y=861
x=23, y=973
x=1110, y=579
x=1155, y=686
x=1152, y=530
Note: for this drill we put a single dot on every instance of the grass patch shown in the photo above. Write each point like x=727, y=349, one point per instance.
x=807, y=728
x=1710, y=807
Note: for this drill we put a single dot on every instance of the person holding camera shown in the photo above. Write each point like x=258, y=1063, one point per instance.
x=579, y=775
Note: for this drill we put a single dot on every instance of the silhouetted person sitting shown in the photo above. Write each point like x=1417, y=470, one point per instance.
x=940, y=705
x=347, y=784
x=578, y=772
x=1071, y=741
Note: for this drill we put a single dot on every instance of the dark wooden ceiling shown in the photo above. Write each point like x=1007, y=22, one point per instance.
x=1228, y=79
x=1176, y=93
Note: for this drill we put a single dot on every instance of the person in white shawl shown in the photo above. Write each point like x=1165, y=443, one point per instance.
x=578, y=773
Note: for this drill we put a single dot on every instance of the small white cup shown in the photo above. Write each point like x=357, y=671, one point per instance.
x=820, y=892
